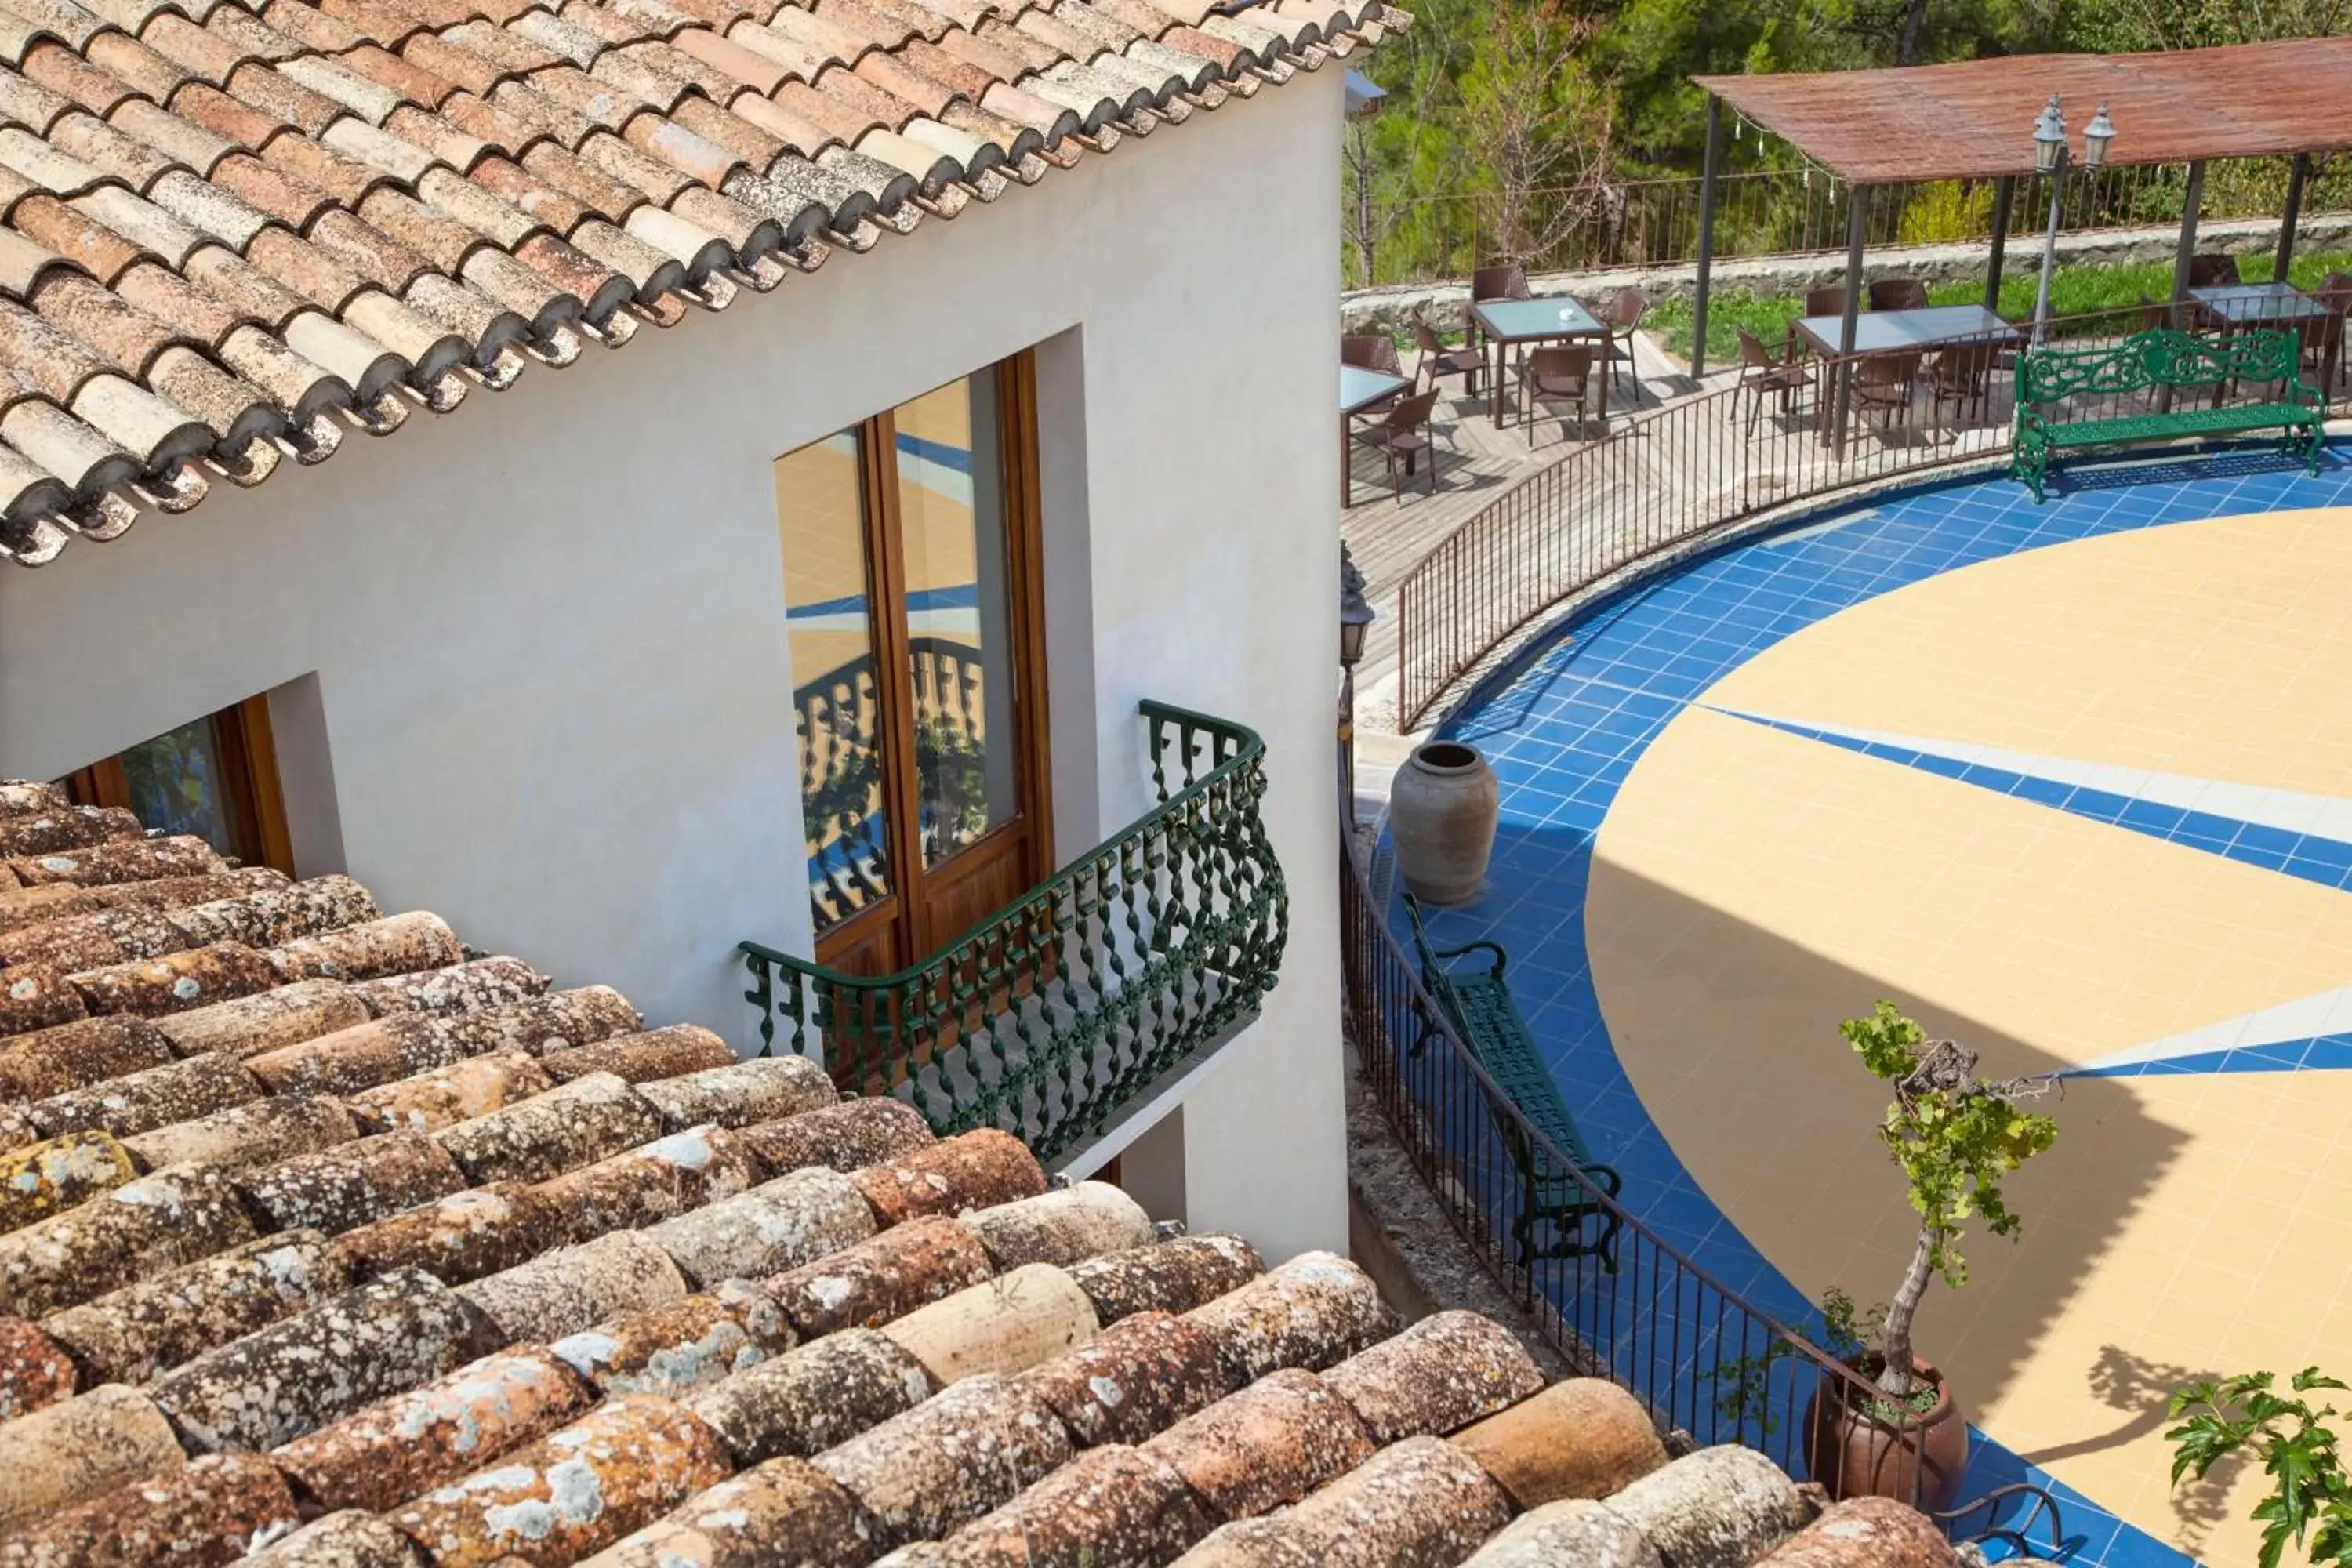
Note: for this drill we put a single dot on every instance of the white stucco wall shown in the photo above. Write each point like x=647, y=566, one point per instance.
x=548, y=630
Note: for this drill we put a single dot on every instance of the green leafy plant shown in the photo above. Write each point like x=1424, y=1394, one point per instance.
x=2310, y=1497
x=1744, y=1384
x=1957, y=1139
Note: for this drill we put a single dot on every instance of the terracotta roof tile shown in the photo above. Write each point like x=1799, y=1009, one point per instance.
x=73, y=77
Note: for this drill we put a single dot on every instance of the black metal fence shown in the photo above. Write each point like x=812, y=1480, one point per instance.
x=1797, y=426
x=1703, y=1360
x=1655, y=223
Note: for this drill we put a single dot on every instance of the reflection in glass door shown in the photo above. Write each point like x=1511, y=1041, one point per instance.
x=910, y=564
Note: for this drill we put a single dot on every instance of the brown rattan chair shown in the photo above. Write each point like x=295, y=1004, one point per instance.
x=1506, y=281
x=2211, y=270
x=2321, y=340
x=1898, y=294
x=1403, y=432
x=1829, y=301
x=1886, y=383
x=1371, y=351
x=1437, y=360
x=1556, y=375
x=2335, y=293
x=1509, y=281
x=1961, y=375
x=1761, y=375
x=1623, y=316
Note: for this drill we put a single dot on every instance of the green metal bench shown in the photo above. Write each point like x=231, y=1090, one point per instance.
x=2162, y=358
x=1479, y=1006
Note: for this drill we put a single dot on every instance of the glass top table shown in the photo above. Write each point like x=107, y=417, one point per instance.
x=1360, y=388
x=2251, y=304
x=1893, y=331
x=1509, y=322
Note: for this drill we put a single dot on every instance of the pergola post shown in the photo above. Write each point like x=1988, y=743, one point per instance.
x=2298, y=172
x=2186, y=254
x=2181, y=258
x=1706, y=234
x=2004, y=191
x=1858, y=210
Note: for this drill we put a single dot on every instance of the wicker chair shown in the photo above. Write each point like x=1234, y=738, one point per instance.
x=1898, y=294
x=1438, y=360
x=1829, y=301
x=1623, y=316
x=1961, y=375
x=1556, y=375
x=1762, y=376
x=1886, y=383
x=1371, y=351
x=1403, y=432
x=2212, y=271
x=2335, y=293
x=1508, y=281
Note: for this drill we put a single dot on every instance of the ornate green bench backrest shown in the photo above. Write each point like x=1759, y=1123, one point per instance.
x=2159, y=358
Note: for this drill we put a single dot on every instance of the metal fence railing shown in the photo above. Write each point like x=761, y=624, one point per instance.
x=1662, y=480
x=1655, y=223
x=1701, y=1358
x=1073, y=1001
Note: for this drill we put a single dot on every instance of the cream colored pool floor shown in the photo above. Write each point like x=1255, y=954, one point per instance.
x=2071, y=783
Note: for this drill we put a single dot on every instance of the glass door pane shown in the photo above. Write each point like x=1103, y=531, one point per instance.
x=179, y=781
x=952, y=527
x=821, y=513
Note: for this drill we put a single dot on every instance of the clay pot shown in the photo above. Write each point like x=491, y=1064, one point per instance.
x=1442, y=809
x=1853, y=1454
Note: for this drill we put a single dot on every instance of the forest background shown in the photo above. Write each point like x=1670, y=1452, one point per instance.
x=1566, y=133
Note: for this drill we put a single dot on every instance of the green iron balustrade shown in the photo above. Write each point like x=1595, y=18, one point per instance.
x=1064, y=1007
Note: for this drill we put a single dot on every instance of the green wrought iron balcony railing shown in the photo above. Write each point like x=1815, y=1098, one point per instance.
x=1080, y=1000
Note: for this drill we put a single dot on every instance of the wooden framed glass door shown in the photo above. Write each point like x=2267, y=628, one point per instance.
x=215, y=777
x=910, y=560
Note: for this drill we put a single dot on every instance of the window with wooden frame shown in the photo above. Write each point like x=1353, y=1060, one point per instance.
x=215, y=777
x=915, y=614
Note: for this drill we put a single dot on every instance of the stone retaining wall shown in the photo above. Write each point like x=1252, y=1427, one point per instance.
x=1393, y=308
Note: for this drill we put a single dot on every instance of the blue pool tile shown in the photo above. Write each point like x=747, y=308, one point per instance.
x=1575, y=719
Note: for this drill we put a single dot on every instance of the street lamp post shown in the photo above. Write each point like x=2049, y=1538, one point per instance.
x=2051, y=160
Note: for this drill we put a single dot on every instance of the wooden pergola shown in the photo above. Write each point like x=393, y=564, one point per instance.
x=1973, y=119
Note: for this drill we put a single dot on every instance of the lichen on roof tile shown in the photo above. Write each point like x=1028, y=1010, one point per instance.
x=654, y=1054
x=614, y=1470
x=153, y=1325
x=570, y=1125
x=81, y=1448
x=949, y=1459
x=1132, y=1380
x=209, y=1511
x=878, y=1280
x=680, y=1347
x=295, y=1376
x=810, y=1399
x=379, y=1456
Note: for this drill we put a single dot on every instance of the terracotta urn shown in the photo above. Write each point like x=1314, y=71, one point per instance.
x=1441, y=810
x=1852, y=1450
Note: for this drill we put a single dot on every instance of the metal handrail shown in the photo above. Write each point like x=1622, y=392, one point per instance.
x=1701, y=1357
x=1768, y=213
x=1060, y=1009
x=1667, y=479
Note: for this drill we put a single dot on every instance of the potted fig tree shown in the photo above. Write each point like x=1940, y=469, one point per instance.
x=1896, y=1430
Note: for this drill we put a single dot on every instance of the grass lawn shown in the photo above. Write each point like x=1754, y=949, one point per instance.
x=2074, y=289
